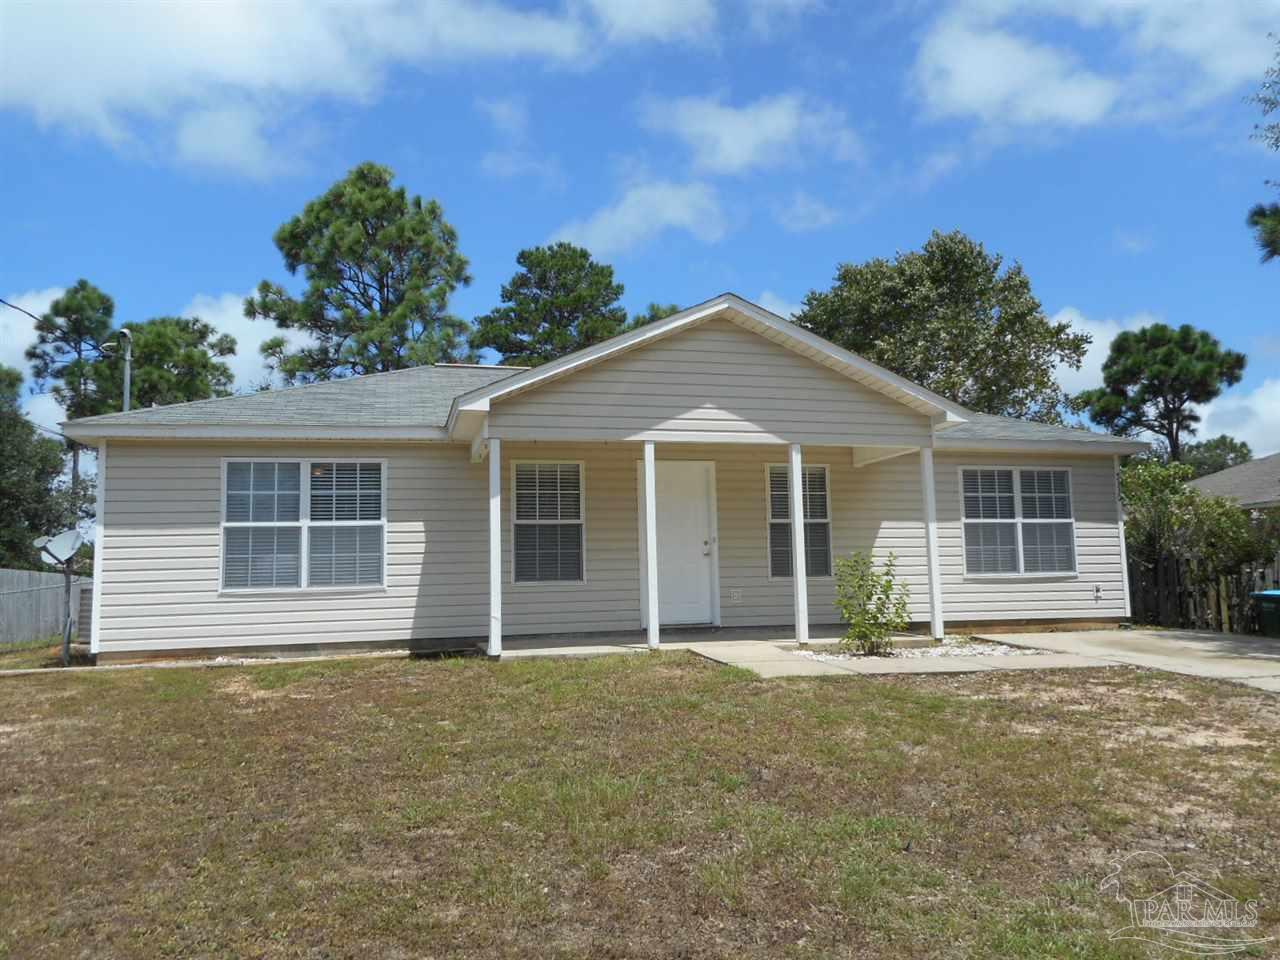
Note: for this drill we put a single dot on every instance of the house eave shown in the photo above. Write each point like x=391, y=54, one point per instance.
x=124, y=430
x=1075, y=447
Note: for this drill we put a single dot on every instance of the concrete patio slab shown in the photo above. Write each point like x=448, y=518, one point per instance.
x=1043, y=661
x=878, y=665
x=1270, y=684
x=1195, y=653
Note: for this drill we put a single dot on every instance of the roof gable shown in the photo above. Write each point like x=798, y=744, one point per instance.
x=745, y=314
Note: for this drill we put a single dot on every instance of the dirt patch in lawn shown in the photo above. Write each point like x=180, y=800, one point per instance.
x=638, y=806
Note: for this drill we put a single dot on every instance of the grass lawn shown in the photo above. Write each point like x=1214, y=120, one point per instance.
x=45, y=652
x=641, y=806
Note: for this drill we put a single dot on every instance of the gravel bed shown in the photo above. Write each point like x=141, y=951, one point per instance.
x=951, y=646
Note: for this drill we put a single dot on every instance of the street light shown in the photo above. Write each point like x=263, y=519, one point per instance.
x=126, y=337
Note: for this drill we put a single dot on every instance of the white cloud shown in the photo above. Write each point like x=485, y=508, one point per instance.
x=1103, y=332
x=763, y=15
x=44, y=410
x=767, y=133
x=1132, y=241
x=17, y=332
x=804, y=213
x=509, y=116
x=654, y=19
x=179, y=78
x=1248, y=415
x=516, y=157
x=230, y=139
x=779, y=305
x=1005, y=80
x=226, y=313
x=646, y=210
x=1115, y=59
x=509, y=164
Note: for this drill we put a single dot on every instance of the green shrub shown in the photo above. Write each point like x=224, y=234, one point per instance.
x=871, y=602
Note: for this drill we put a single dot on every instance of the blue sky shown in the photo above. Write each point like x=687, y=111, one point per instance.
x=698, y=146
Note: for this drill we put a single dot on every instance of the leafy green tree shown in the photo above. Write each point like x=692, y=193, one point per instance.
x=69, y=339
x=1264, y=218
x=952, y=318
x=1153, y=377
x=1216, y=454
x=175, y=360
x=34, y=500
x=1165, y=517
x=560, y=300
x=380, y=267
x=653, y=312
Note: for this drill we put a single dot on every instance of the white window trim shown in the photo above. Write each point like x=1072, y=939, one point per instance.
x=582, y=520
x=1017, y=520
x=304, y=523
x=769, y=520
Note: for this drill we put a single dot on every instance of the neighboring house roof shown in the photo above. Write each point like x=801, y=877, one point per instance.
x=1254, y=484
x=424, y=403
x=409, y=404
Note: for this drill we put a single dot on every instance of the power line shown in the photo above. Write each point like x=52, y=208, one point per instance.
x=20, y=309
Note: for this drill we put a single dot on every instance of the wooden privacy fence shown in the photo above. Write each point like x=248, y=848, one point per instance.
x=31, y=605
x=1169, y=594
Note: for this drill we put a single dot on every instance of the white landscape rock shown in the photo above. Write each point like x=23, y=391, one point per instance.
x=951, y=646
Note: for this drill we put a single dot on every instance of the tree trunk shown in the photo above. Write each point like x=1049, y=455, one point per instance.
x=75, y=461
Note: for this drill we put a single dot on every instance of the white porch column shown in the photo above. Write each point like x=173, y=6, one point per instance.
x=799, y=575
x=495, y=547
x=931, y=542
x=651, y=543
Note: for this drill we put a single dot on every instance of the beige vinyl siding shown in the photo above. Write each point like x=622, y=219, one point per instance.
x=160, y=561
x=161, y=571
x=717, y=382
x=1048, y=596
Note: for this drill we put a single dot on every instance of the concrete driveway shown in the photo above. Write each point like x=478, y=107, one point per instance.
x=1224, y=656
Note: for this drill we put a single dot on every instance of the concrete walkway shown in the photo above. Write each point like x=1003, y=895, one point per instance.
x=780, y=660
x=1253, y=661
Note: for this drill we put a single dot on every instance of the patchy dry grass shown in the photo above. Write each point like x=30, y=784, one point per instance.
x=30, y=654
x=619, y=807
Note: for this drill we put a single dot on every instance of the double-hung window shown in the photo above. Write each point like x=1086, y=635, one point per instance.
x=817, y=521
x=345, y=527
x=1017, y=521
x=547, y=522
x=299, y=523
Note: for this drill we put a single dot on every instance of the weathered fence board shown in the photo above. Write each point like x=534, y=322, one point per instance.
x=32, y=604
x=1169, y=594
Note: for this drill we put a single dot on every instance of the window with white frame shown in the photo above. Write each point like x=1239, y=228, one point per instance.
x=1017, y=520
x=276, y=514
x=817, y=521
x=548, y=522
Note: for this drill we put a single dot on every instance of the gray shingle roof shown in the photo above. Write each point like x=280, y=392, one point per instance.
x=416, y=397
x=1252, y=484
x=404, y=403
x=985, y=427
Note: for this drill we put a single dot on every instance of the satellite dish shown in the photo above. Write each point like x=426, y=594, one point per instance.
x=62, y=548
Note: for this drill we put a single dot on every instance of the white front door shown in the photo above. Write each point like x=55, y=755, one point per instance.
x=686, y=541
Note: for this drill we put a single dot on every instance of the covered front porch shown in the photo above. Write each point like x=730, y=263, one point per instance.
x=692, y=543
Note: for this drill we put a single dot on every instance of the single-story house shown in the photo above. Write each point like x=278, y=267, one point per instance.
x=704, y=469
x=1254, y=485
